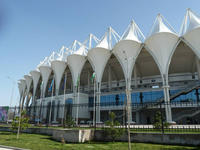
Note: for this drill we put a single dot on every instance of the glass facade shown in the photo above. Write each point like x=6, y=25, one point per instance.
x=188, y=97
x=143, y=97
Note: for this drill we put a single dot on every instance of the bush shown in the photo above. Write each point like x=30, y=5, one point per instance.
x=112, y=130
x=69, y=122
x=158, y=121
x=23, y=122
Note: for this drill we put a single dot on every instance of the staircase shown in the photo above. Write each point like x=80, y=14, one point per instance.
x=188, y=114
x=160, y=100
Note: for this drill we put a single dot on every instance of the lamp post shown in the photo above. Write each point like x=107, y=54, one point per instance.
x=128, y=84
x=11, y=96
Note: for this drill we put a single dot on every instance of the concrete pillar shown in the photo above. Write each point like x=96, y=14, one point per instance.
x=137, y=117
x=89, y=81
x=109, y=78
x=28, y=97
x=74, y=106
x=129, y=102
x=198, y=66
x=37, y=109
x=167, y=101
x=44, y=110
x=135, y=77
x=57, y=92
x=55, y=111
x=23, y=99
x=98, y=117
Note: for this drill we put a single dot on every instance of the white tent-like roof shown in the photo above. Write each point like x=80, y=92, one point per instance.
x=161, y=43
x=28, y=80
x=76, y=62
x=45, y=70
x=58, y=64
x=190, y=31
x=99, y=56
x=128, y=48
x=23, y=88
x=36, y=76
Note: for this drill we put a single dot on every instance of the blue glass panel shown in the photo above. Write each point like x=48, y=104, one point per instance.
x=68, y=101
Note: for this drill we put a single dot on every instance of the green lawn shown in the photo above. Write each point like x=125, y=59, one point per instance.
x=42, y=142
x=177, y=131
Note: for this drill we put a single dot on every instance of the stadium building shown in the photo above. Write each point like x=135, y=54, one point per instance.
x=160, y=71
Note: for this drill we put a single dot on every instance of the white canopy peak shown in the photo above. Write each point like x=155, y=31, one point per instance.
x=28, y=76
x=190, y=21
x=45, y=62
x=104, y=42
x=161, y=25
x=133, y=33
x=23, y=83
x=54, y=56
x=81, y=51
x=75, y=45
x=110, y=38
x=77, y=48
x=91, y=41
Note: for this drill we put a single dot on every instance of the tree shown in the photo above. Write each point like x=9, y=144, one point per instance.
x=23, y=122
x=158, y=121
x=113, y=130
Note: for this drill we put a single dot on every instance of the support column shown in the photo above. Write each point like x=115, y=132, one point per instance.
x=32, y=108
x=23, y=98
x=74, y=106
x=109, y=78
x=20, y=103
x=137, y=117
x=88, y=81
x=167, y=101
x=135, y=77
x=198, y=66
x=98, y=115
x=57, y=92
x=55, y=111
x=129, y=103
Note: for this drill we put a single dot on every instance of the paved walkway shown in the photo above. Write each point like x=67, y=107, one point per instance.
x=2, y=147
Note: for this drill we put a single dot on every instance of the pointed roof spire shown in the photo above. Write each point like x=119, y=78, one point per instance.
x=194, y=20
x=191, y=21
x=45, y=62
x=133, y=33
x=161, y=25
x=53, y=56
x=81, y=51
x=91, y=41
x=104, y=42
x=62, y=54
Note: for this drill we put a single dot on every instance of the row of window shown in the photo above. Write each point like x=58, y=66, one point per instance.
x=143, y=97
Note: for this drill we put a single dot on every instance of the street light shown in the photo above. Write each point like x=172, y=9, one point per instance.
x=11, y=96
x=128, y=98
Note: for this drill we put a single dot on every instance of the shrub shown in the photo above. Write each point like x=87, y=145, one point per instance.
x=112, y=130
x=23, y=122
x=69, y=122
x=158, y=121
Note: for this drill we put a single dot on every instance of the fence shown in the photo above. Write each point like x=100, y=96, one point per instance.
x=56, y=113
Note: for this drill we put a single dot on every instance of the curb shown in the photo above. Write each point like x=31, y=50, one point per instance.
x=12, y=148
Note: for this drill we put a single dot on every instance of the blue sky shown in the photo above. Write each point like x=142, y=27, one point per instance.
x=32, y=29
